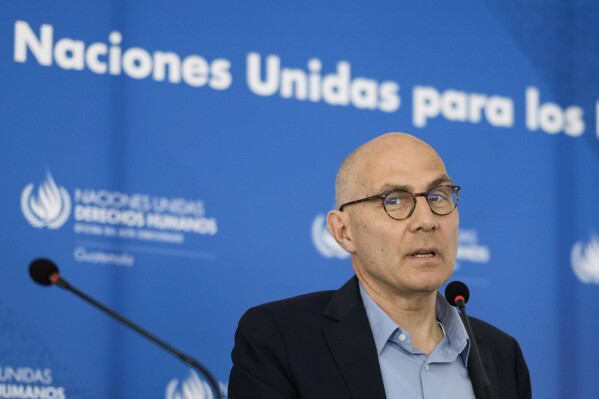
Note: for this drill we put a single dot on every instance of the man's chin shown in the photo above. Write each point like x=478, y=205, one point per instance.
x=430, y=282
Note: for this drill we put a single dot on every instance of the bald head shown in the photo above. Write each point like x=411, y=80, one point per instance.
x=353, y=176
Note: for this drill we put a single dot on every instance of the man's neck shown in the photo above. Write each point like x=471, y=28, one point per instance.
x=415, y=313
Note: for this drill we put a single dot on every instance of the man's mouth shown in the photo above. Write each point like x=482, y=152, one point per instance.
x=424, y=254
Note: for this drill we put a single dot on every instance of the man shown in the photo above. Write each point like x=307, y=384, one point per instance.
x=386, y=333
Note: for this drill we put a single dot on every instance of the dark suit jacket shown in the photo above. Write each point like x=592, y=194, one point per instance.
x=320, y=346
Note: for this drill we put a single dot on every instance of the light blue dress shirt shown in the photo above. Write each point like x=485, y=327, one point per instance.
x=408, y=372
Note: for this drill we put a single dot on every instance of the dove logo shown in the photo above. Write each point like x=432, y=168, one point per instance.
x=324, y=242
x=585, y=261
x=192, y=388
x=50, y=207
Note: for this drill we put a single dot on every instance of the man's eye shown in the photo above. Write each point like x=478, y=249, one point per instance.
x=436, y=197
x=397, y=199
x=439, y=195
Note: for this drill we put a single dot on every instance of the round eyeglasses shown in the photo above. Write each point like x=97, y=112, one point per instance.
x=400, y=204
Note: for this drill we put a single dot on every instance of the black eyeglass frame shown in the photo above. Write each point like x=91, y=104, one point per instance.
x=425, y=194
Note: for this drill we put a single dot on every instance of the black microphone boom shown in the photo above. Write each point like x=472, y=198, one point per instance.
x=457, y=294
x=45, y=272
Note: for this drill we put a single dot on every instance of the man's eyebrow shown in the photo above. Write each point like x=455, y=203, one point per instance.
x=394, y=187
x=440, y=180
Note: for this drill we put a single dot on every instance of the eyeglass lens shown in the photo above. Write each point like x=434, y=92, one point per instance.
x=399, y=204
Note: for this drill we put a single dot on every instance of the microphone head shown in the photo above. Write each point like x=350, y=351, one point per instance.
x=455, y=291
x=44, y=271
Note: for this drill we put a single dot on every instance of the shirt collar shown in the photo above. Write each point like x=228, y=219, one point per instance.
x=383, y=326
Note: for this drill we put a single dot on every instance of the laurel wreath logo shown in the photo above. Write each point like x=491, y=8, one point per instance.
x=51, y=206
x=585, y=261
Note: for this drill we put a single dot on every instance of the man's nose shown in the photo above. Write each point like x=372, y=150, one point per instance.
x=423, y=217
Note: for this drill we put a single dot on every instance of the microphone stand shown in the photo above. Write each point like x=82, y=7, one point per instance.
x=482, y=378
x=190, y=361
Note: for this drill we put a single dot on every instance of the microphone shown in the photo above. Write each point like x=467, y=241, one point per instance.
x=457, y=294
x=45, y=272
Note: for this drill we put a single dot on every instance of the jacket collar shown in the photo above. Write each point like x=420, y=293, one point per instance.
x=352, y=344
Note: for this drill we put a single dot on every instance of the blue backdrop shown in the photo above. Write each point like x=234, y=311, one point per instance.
x=176, y=160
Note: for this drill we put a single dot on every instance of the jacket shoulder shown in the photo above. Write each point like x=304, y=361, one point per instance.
x=488, y=332
x=505, y=359
x=292, y=310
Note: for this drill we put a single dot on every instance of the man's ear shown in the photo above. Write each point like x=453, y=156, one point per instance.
x=340, y=229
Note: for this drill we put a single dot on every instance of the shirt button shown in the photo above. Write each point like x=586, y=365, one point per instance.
x=426, y=367
x=402, y=337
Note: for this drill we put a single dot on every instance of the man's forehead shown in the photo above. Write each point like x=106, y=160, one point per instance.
x=394, y=184
x=394, y=142
x=414, y=164
x=397, y=149
x=393, y=159
x=404, y=166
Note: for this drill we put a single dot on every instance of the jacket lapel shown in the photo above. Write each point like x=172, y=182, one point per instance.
x=352, y=344
x=489, y=366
